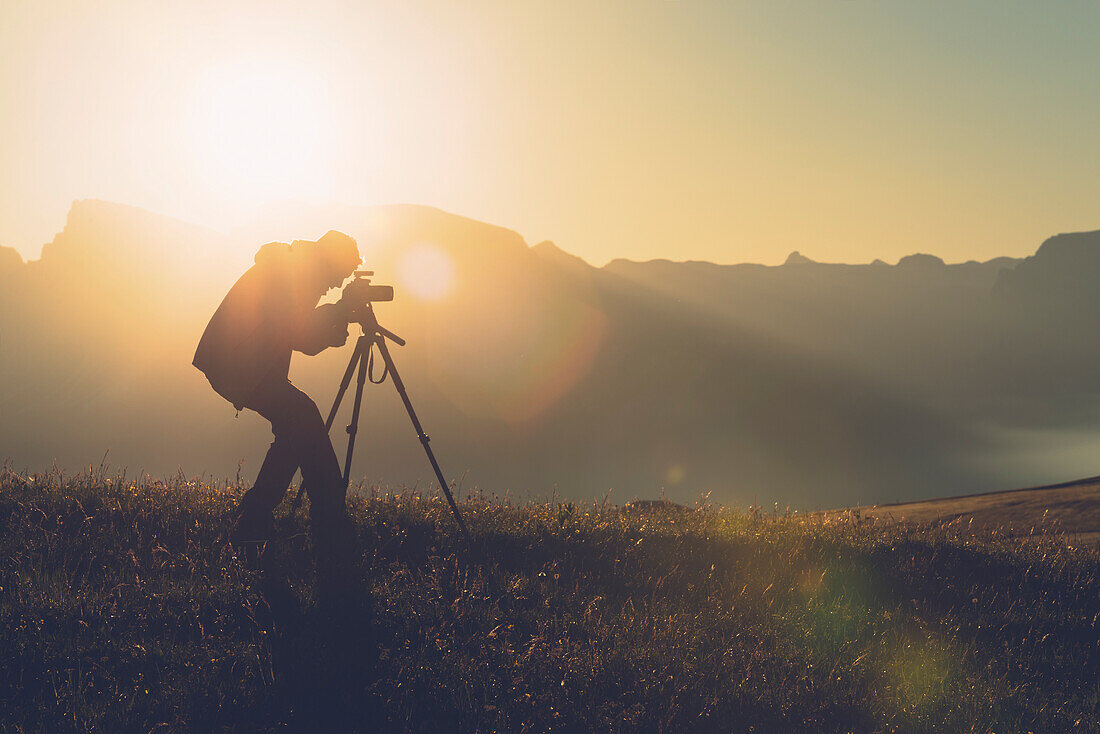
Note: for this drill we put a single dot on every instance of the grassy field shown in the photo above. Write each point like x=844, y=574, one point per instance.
x=123, y=608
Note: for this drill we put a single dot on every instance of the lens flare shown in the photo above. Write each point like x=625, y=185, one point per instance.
x=426, y=272
x=676, y=474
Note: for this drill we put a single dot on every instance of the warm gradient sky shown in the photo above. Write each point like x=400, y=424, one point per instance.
x=707, y=129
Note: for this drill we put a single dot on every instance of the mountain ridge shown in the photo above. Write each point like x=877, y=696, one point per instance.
x=82, y=212
x=814, y=383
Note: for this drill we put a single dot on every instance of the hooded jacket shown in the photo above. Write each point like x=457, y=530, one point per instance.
x=270, y=312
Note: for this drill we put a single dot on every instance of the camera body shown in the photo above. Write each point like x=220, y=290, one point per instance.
x=360, y=293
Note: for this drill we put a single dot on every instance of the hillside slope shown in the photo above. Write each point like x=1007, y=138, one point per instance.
x=1069, y=508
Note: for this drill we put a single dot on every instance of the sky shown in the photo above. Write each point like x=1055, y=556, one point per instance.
x=711, y=130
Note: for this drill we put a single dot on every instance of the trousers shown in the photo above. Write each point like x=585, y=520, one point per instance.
x=301, y=440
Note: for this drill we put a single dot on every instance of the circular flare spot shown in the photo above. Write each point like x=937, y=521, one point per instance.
x=426, y=271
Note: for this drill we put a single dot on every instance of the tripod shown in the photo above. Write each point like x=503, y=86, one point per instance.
x=362, y=361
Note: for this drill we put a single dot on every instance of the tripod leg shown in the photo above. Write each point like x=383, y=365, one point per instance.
x=383, y=349
x=353, y=427
x=356, y=355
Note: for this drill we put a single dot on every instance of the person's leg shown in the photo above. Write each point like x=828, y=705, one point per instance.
x=255, y=522
x=301, y=439
x=331, y=528
x=321, y=472
x=300, y=423
x=273, y=478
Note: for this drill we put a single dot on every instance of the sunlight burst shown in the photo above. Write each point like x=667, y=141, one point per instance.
x=426, y=271
x=263, y=131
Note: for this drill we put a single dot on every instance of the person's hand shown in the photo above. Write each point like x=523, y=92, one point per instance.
x=338, y=336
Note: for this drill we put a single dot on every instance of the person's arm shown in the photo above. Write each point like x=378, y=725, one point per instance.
x=319, y=329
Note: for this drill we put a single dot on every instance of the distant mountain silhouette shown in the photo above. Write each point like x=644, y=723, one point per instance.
x=1065, y=269
x=797, y=258
x=9, y=258
x=809, y=383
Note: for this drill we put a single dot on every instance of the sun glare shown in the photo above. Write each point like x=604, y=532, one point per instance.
x=426, y=271
x=262, y=131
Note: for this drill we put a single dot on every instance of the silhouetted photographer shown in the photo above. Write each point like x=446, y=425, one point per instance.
x=245, y=353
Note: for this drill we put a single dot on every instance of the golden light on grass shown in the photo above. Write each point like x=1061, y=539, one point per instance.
x=263, y=130
x=426, y=271
x=922, y=673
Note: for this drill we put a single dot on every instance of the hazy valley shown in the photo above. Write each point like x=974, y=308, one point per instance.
x=810, y=384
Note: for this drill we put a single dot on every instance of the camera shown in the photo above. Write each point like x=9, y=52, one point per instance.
x=361, y=291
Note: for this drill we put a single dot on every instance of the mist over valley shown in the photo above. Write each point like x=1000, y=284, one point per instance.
x=808, y=384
